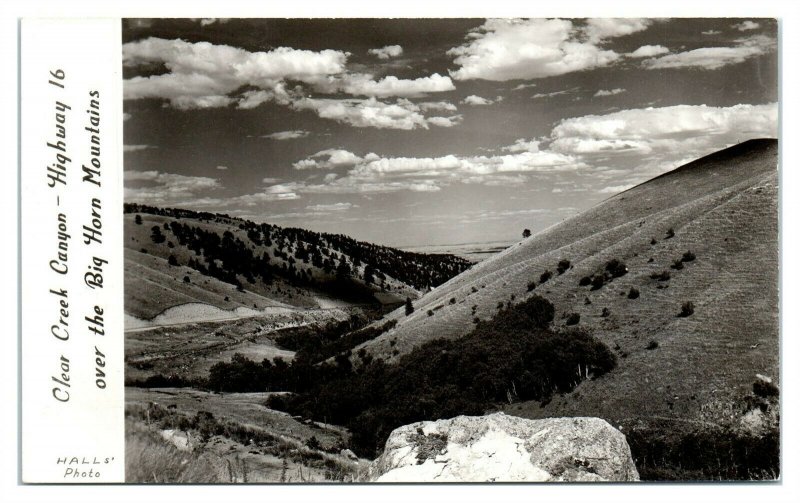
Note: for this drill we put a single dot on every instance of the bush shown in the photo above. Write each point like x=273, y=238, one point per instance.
x=633, y=294
x=765, y=388
x=313, y=444
x=653, y=241
x=531, y=286
x=563, y=266
x=687, y=309
x=652, y=345
x=539, y=311
x=616, y=268
x=172, y=260
x=573, y=319
x=606, y=313
x=670, y=233
x=677, y=265
x=409, y=306
x=688, y=256
x=661, y=276
x=452, y=300
x=430, y=312
x=186, y=279
x=585, y=281
x=545, y=276
x=598, y=282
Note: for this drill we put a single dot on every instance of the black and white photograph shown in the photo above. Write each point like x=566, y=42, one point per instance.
x=451, y=250
x=456, y=250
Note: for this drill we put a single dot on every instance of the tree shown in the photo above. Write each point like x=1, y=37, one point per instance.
x=138, y=219
x=156, y=235
x=526, y=233
x=172, y=260
x=409, y=306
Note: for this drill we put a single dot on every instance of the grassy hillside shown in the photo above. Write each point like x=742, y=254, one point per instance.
x=176, y=257
x=723, y=209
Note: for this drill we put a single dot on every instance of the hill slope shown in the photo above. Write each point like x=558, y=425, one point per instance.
x=178, y=257
x=722, y=208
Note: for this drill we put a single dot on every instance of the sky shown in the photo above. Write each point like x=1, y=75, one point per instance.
x=411, y=132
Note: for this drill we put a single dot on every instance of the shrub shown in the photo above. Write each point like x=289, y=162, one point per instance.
x=765, y=388
x=313, y=444
x=563, y=266
x=430, y=312
x=652, y=345
x=597, y=282
x=606, y=313
x=186, y=279
x=670, y=233
x=677, y=265
x=545, y=276
x=172, y=260
x=661, y=276
x=531, y=286
x=573, y=319
x=409, y=306
x=138, y=219
x=616, y=268
x=688, y=256
x=585, y=281
x=687, y=309
x=539, y=311
x=452, y=300
x=653, y=241
x=633, y=294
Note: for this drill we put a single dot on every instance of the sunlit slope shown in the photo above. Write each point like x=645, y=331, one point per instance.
x=722, y=208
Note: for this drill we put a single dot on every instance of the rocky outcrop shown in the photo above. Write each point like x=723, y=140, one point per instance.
x=501, y=448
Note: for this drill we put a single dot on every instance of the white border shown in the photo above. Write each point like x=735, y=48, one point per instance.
x=788, y=490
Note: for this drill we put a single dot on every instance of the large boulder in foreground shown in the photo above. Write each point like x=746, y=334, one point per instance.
x=501, y=448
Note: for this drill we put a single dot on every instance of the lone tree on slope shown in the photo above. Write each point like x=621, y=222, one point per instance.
x=409, y=306
x=526, y=233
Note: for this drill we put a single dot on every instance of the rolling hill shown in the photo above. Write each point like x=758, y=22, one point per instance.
x=705, y=233
x=214, y=264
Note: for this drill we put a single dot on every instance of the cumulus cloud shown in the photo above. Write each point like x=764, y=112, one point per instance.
x=445, y=106
x=135, y=148
x=211, y=20
x=222, y=168
x=713, y=58
x=389, y=51
x=204, y=75
x=523, y=145
x=403, y=114
x=332, y=207
x=155, y=187
x=329, y=159
x=598, y=30
x=476, y=100
x=554, y=93
x=692, y=130
x=648, y=51
x=522, y=86
x=615, y=189
x=609, y=92
x=373, y=173
x=287, y=135
x=746, y=25
x=203, y=69
x=710, y=32
x=363, y=84
x=508, y=49
x=450, y=121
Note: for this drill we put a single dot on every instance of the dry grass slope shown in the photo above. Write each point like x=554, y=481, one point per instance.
x=723, y=208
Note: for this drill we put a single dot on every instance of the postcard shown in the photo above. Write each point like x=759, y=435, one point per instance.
x=400, y=250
